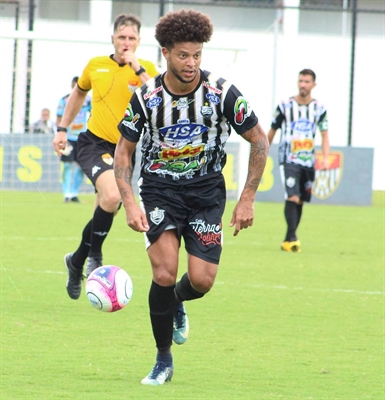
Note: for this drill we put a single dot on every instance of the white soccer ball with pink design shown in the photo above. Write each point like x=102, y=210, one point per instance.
x=109, y=288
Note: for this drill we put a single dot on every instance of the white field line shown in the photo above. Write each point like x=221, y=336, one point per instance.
x=268, y=287
x=282, y=287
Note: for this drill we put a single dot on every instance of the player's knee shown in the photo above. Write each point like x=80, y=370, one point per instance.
x=110, y=201
x=203, y=285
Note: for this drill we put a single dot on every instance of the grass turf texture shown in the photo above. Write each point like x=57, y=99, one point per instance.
x=275, y=326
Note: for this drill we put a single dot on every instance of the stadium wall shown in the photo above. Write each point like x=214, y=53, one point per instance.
x=28, y=162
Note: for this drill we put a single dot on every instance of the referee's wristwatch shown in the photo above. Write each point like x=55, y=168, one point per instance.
x=141, y=70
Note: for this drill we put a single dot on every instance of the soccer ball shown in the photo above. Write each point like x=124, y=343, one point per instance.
x=109, y=288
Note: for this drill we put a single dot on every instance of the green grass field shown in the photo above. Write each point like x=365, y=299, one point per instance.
x=275, y=326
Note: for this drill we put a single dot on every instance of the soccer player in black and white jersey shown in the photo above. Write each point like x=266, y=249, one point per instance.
x=299, y=117
x=184, y=118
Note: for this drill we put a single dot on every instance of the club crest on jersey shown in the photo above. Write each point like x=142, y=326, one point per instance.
x=132, y=86
x=242, y=110
x=327, y=181
x=157, y=216
x=207, y=111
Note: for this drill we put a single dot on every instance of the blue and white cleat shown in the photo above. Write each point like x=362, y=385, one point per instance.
x=160, y=374
x=181, y=326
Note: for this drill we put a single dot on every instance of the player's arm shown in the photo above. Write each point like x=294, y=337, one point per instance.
x=271, y=134
x=73, y=106
x=323, y=126
x=325, y=149
x=275, y=124
x=243, y=215
x=123, y=169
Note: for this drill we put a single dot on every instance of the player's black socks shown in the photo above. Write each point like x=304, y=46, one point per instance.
x=184, y=290
x=101, y=225
x=79, y=257
x=299, y=212
x=291, y=215
x=162, y=304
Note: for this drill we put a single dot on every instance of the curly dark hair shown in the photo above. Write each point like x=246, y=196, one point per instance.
x=183, y=26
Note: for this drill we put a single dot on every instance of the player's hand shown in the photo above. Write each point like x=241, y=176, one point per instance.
x=136, y=219
x=59, y=142
x=324, y=164
x=243, y=216
x=130, y=58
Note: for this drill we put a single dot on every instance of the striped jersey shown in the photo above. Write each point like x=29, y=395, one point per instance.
x=184, y=137
x=298, y=124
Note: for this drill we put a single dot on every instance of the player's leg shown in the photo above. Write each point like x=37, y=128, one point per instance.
x=290, y=175
x=66, y=181
x=77, y=174
x=163, y=255
x=108, y=202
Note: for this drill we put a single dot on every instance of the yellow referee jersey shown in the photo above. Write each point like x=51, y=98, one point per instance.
x=112, y=88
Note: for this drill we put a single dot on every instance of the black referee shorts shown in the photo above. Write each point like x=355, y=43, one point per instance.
x=194, y=209
x=95, y=155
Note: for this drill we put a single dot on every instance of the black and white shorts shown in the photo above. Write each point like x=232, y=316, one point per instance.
x=194, y=209
x=297, y=180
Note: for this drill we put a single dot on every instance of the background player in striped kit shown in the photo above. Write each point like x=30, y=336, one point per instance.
x=298, y=118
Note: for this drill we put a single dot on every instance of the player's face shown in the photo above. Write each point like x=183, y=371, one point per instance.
x=183, y=61
x=305, y=85
x=125, y=38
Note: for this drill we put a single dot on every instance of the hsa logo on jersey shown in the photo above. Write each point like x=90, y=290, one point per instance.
x=327, y=181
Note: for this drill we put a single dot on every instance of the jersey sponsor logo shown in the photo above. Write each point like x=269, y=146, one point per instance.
x=207, y=112
x=302, y=125
x=207, y=233
x=183, y=131
x=242, y=110
x=102, y=70
x=212, y=98
x=107, y=158
x=182, y=103
x=208, y=86
x=183, y=121
x=186, y=151
x=152, y=93
x=157, y=216
x=327, y=181
x=302, y=145
x=177, y=168
x=154, y=102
